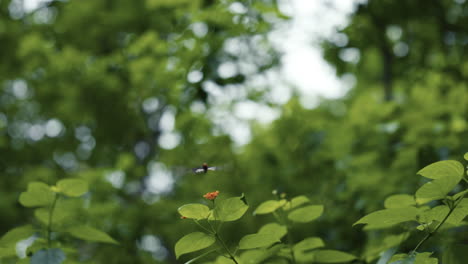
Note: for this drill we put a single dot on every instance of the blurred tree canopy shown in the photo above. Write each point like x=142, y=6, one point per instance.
x=118, y=93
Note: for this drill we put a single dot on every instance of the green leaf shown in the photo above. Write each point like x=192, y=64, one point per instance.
x=90, y=234
x=193, y=242
x=458, y=195
x=466, y=156
x=16, y=234
x=420, y=258
x=65, y=212
x=259, y=255
x=436, y=189
x=443, y=169
x=306, y=214
x=73, y=187
x=9, y=240
x=301, y=248
x=194, y=211
x=399, y=201
x=257, y=241
x=273, y=228
x=402, y=259
x=269, y=207
x=37, y=194
x=48, y=256
x=382, y=245
x=425, y=258
x=438, y=213
x=332, y=256
x=296, y=202
x=388, y=217
x=230, y=209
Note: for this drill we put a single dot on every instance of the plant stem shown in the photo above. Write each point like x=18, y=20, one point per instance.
x=231, y=256
x=49, y=226
x=432, y=233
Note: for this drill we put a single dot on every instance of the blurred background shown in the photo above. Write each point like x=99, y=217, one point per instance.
x=342, y=101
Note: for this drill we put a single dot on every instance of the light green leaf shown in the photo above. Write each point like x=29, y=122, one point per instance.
x=273, y=228
x=194, y=211
x=306, y=214
x=230, y=209
x=332, y=256
x=257, y=241
x=48, y=256
x=466, y=156
x=307, y=244
x=443, y=169
x=193, y=242
x=296, y=202
x=37, y=194
x=399, y=201
x=73, y=187
x=388, y=217
x=436, y=189
x=90, y=234
x=269, y=207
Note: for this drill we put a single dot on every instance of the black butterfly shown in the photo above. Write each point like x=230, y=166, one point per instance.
x=204, y=168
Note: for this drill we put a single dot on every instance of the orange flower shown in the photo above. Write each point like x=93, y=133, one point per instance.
x=211, y=195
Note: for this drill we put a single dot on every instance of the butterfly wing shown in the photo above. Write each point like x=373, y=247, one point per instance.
x=198, y=170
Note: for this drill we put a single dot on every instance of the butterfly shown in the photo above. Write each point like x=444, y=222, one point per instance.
x=204, y=168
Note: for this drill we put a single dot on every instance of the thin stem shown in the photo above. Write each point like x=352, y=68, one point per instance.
x=204, y=228
x=231, y=256
x=432, y=233
x=49, y=226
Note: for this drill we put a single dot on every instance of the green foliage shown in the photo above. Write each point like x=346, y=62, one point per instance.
x=230, y=209
x=72, y=187
x=90, y=234
x=193, y=242
x=306, y=214
x=58, y=212
x=194, y=211
x=446, y=176
x=268, y=244
x=38, y=194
